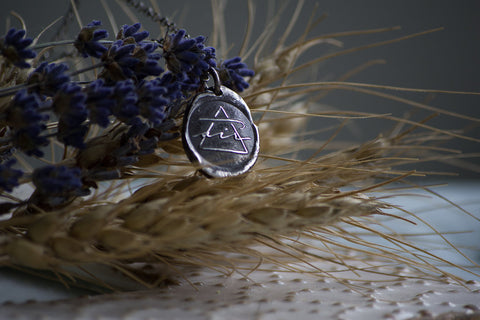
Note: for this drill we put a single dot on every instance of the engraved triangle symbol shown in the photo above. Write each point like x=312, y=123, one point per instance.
x=223, y=134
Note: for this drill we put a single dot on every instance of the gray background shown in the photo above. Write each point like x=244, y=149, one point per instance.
x=446, y=59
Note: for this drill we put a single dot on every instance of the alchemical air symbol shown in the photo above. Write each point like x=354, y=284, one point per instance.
x=219, y=135
x=228, y=129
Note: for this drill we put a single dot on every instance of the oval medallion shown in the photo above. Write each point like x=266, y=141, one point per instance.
x=219, y=134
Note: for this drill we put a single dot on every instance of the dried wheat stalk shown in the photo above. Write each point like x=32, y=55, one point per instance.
x=181, y=218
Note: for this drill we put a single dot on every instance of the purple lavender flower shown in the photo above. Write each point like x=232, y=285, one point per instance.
x=187, y=84
x=69, y=94
x=131, y=31
x=147, y=146
x=87, y=40
x=172, y=86
x=210, y=56
x=26, y=120
x=148, y=60
x=130, y=57
x=136, y=144
x=99, y=102
x=13, y=46
x=71, y=135
x=29, y=139
x=48, y=78
x=137, y=128
x=119, y=62
x=56, y=186
x=232, y=72
x=9, y=176
x=188, y=56
x=153, y=100
x=57, y=180
x=24, y=110
x=125, y=108
x=69, y=105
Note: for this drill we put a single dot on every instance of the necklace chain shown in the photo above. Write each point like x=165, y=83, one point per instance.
x=152, y=14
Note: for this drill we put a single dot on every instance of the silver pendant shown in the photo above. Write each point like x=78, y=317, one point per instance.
x=219, y=134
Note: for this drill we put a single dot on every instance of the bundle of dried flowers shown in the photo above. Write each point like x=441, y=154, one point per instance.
x=116, y=188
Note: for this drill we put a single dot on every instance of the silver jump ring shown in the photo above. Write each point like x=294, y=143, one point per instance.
x=216, y=81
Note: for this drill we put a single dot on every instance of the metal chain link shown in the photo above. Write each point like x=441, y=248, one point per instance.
x=152, y=14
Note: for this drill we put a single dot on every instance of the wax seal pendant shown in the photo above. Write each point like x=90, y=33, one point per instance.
x=219, y=134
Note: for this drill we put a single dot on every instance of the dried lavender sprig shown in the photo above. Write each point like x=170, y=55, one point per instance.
x=9, y=176
x=232, y=72
x=88, y=40
x=187, y=58
x=76, y=108
x=56, y=185
x=14, y=47
x=27, y=122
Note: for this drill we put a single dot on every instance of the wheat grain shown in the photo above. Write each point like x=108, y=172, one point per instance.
x=180, y=218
